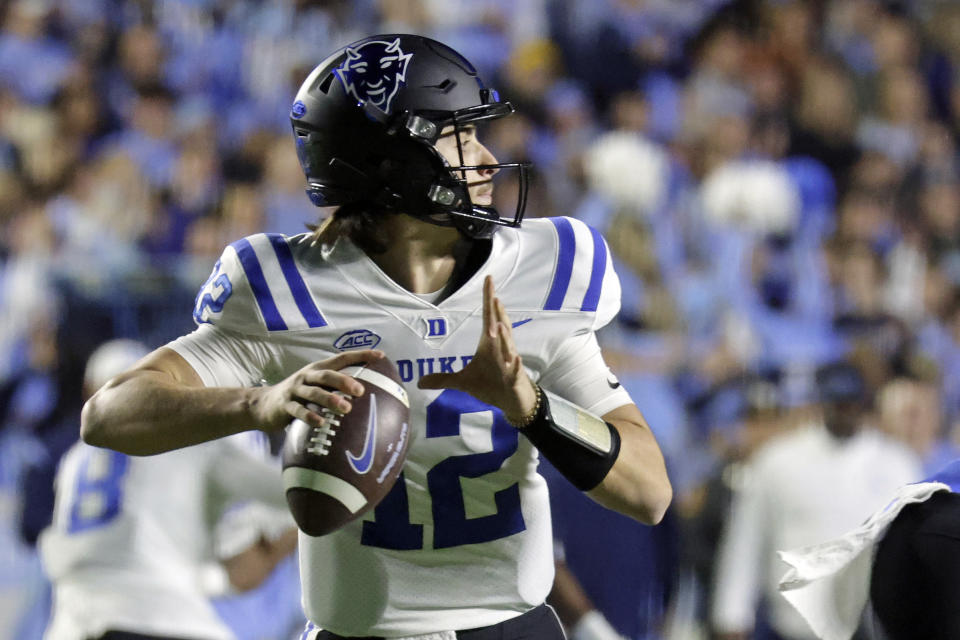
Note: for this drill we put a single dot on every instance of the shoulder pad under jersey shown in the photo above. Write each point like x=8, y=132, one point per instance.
x=580, y=276
x=256, y=286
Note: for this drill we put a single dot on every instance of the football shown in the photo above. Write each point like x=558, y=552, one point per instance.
x=334, y=473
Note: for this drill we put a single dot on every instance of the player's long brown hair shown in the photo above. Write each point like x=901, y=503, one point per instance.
x=357, y=221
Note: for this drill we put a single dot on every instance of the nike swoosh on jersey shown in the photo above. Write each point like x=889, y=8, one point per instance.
x=362, y=463
x=613, y=384
x=520, y=322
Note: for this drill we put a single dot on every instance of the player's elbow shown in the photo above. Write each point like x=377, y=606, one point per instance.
x=656, y=503
x=93, y=429
x=654, y=496
x=648, y=504
x=97, y=428
x=645, y=500
x=645, y=486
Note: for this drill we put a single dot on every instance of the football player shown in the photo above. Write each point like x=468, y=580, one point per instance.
x=491, y=324
x=131, y=543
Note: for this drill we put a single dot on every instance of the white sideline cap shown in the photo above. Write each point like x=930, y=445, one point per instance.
x=111, y=358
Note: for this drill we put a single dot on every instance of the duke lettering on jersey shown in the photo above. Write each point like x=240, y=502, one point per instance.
x=425, y=366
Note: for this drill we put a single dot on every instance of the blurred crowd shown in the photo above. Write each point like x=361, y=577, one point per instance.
x=778, y=182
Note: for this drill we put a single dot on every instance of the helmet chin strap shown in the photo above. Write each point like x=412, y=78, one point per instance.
x=473, y=228
x=470, y=227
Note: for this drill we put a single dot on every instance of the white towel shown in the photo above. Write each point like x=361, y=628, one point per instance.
x=829, y=583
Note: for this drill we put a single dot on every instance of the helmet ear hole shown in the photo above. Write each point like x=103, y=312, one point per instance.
x=411, y=171
x=324, y=86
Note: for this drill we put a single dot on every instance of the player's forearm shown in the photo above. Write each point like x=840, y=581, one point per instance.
x=637, y=485
x=614, y=458
x=147, y=412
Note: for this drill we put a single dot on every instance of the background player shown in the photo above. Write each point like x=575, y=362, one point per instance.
x=903, y=559
x=802, y=486
x=132, y=538
x=386, y=130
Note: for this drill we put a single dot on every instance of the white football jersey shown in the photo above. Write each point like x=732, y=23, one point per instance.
x=464, y=538
x=130, y=535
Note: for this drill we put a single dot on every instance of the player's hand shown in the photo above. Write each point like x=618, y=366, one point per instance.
x=496, y=374
x=315, y=385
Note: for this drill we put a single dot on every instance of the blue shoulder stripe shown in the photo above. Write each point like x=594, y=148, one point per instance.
x=561, y=278
x=251, y=266
x=295, y=281
x=592, y=297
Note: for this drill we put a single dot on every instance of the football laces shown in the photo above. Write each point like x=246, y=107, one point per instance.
x=321, y=437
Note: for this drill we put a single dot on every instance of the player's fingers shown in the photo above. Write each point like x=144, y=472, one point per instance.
x=507, y=349
x=514, y=363
x=489, y=311
x=322, y=398
x=348, y=358
x=517, y=366
x=301, y=412
x=511, y=371
x=333, y=380
x=503, y=317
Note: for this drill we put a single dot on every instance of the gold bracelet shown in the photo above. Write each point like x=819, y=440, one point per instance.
x=529, y=418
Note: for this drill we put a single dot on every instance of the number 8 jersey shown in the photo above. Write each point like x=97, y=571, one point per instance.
x=464, y=538
x=130, y=535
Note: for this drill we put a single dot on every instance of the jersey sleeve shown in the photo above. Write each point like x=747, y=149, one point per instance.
x=223, y=358
x=223, y=350
x=580, y=293
x=583, y=278
x=254, y=291
x=578, y=373
x=231, y=300
x=257, y=288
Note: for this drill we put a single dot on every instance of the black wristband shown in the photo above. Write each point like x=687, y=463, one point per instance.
x=579, y=460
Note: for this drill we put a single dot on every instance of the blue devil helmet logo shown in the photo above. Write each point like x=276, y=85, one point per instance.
x=374, y=71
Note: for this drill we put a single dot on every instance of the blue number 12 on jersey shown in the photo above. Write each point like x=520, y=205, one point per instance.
x=391, y=527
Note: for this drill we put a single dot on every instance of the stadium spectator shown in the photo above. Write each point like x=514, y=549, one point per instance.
x=811, y=484
x=903, y=558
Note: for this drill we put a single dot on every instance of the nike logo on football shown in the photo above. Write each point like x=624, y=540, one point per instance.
x=362, y=463
x=520, y=322
x=614, y=384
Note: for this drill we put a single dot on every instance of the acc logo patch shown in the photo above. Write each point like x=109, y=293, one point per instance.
x=357, y=339
x=374, y=71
